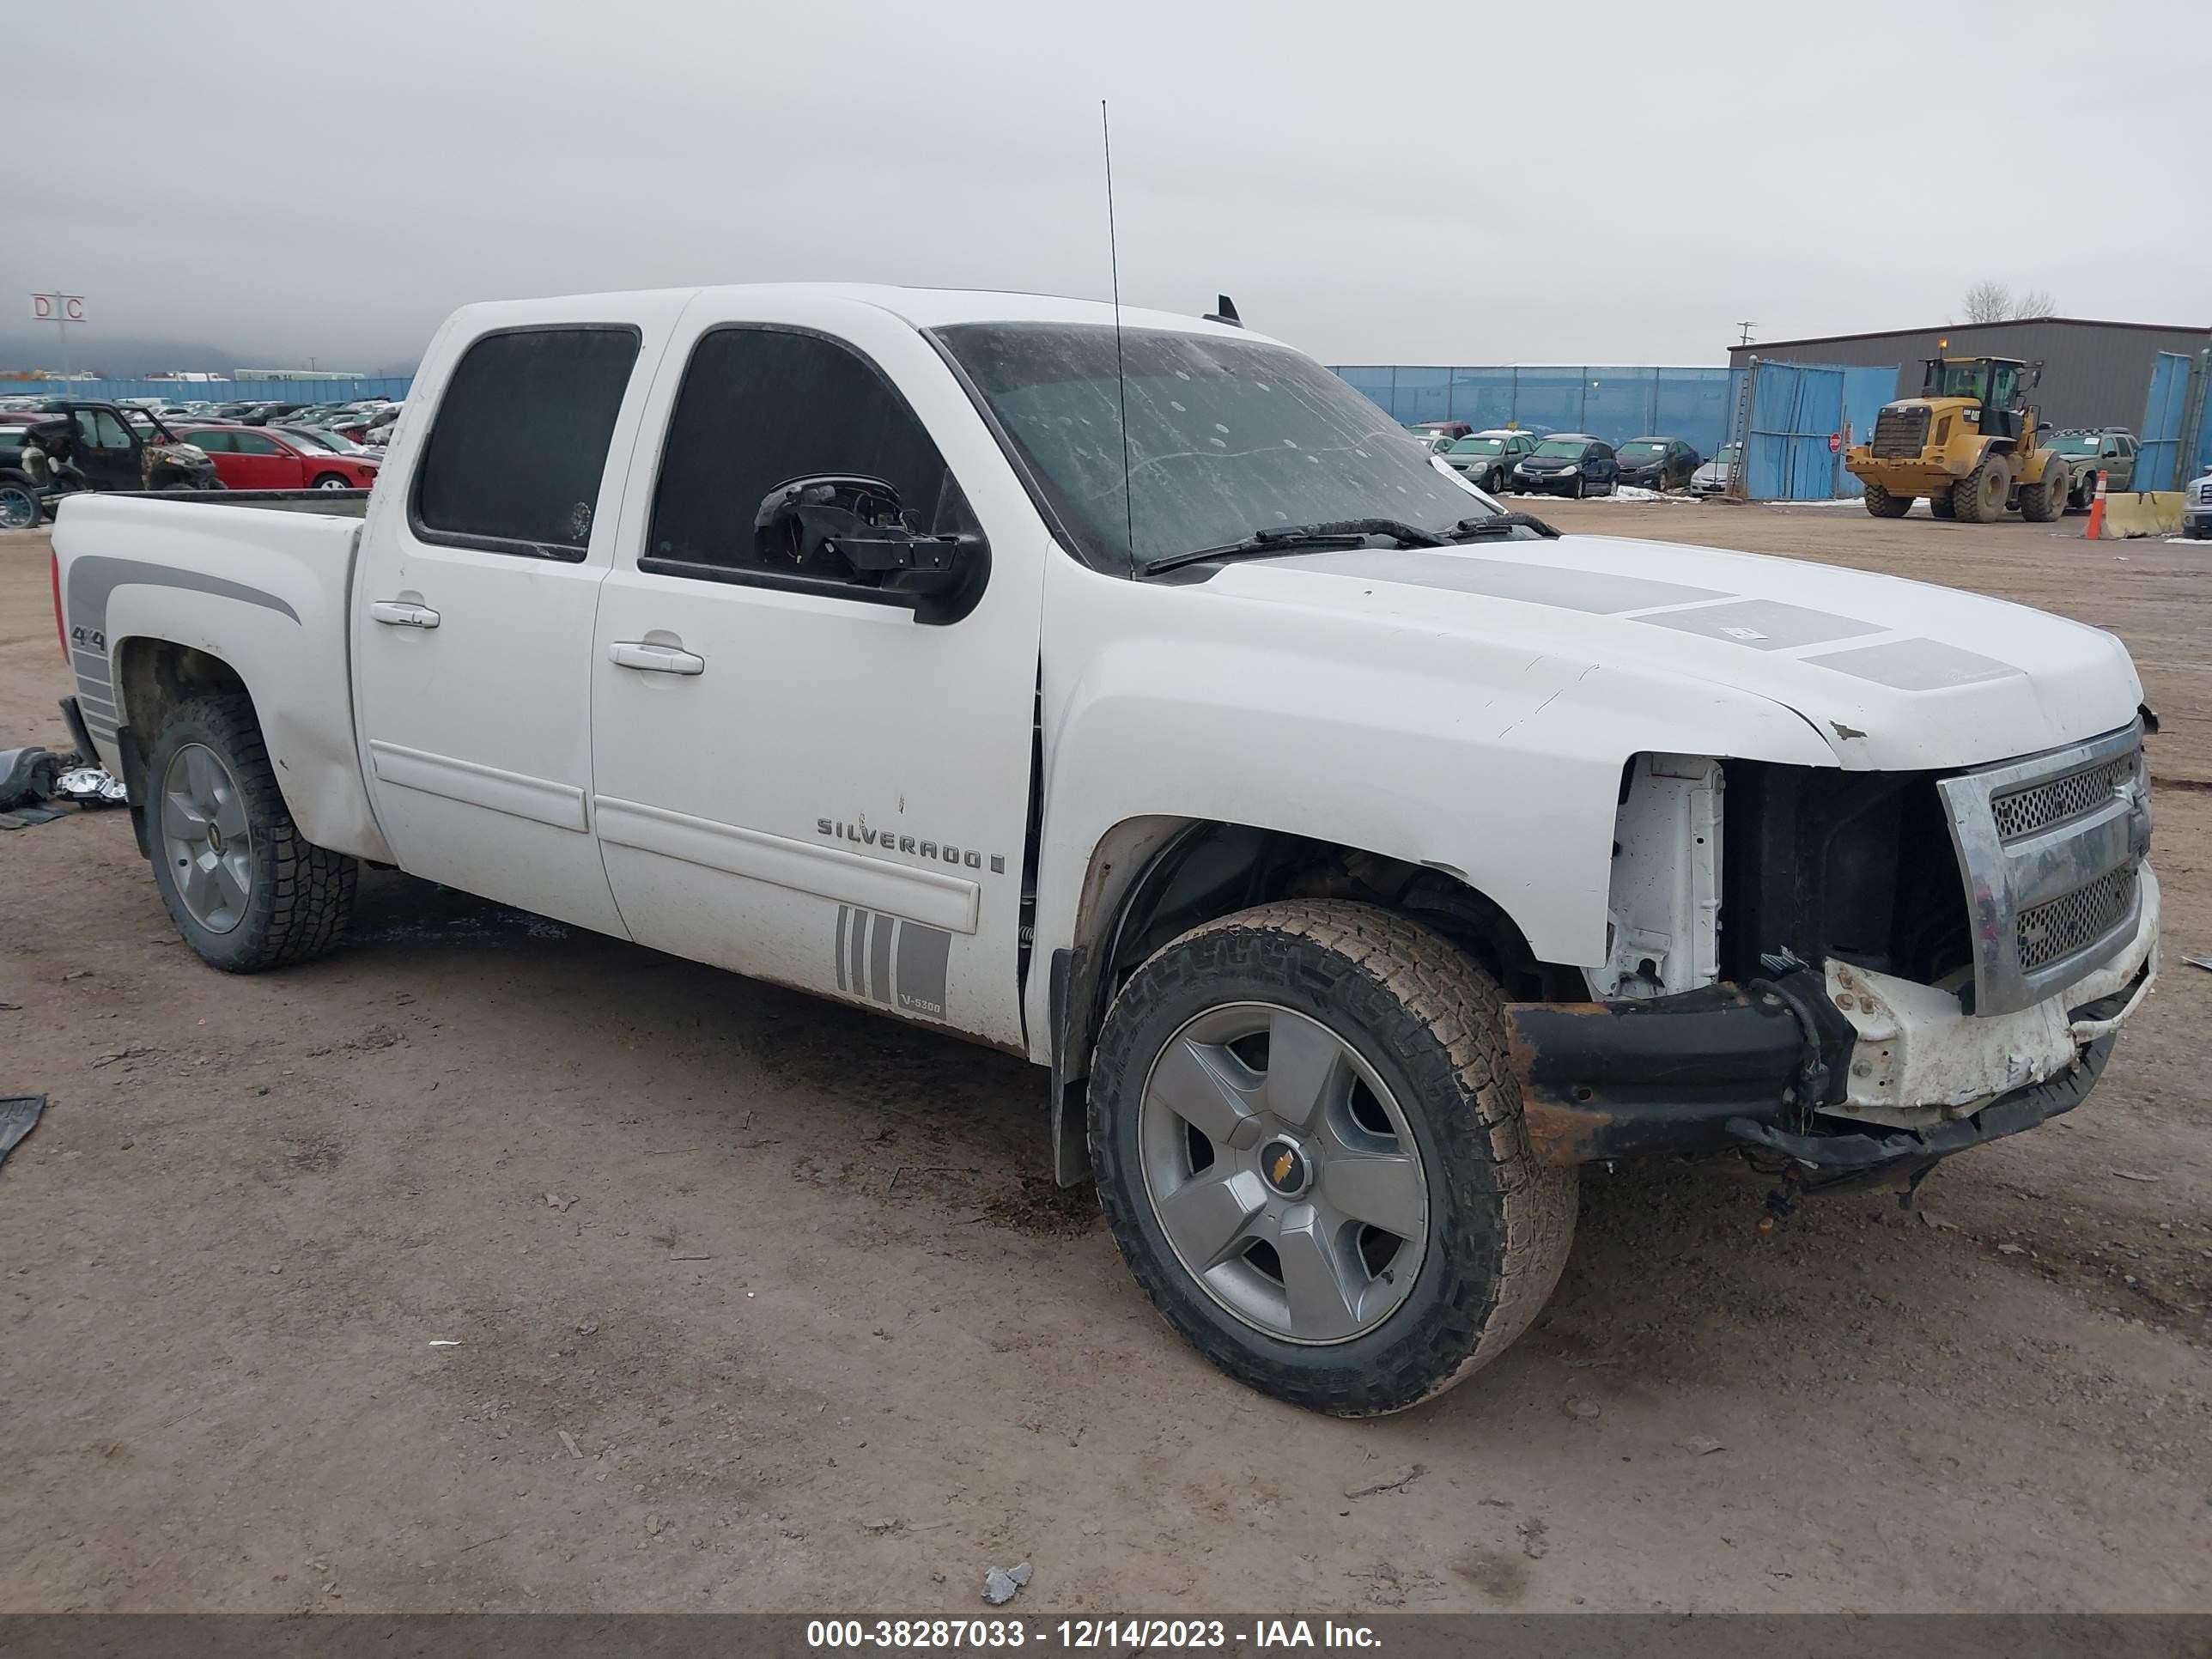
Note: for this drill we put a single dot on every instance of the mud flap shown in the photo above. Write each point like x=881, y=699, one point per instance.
x=1071, y=1141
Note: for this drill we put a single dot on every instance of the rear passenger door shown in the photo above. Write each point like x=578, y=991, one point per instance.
x=474, y=599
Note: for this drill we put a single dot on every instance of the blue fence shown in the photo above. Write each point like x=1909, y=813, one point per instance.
x=2176, y=382
x=1614, y=403
x=215, y=391
x=1797, y=409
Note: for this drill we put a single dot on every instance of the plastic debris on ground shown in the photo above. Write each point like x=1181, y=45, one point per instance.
x=2198, y=962
x=91, y=785
x=19, y=1115
x=1002, y=1584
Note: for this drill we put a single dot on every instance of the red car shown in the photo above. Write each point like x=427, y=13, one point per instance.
x=265, y=457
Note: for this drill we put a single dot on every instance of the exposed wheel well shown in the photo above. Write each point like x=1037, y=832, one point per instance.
x=1206, y=869
x=153, y=676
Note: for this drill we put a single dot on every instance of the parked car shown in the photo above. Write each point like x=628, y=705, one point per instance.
x=1437, y=435
x=2196, y=508
x=2109, y=450
x=1657, y=463
x=1487, y=459
x=1712, y=478
x=1350, y=856
x=1569, y=463
x=269, y=458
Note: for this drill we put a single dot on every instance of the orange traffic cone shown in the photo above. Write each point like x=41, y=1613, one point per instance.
x=2096, y=529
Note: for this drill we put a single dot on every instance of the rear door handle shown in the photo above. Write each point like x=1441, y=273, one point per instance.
x=654, y=659
x=398, y=613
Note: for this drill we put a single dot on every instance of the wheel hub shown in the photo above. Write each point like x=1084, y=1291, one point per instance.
x=1286, y=1179
x=206, y=838
x=1285, y=1168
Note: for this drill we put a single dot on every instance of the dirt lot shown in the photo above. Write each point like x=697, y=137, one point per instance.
x=489, y=1265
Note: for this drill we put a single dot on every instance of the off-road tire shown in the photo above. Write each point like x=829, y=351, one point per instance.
x=1883, y=505
x=1939, y=505
x=2046, y=502
x=302, y=894
x=1980, y=497
x=1429, y=1021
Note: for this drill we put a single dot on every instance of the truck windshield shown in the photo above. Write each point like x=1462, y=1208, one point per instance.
x=1227, y=437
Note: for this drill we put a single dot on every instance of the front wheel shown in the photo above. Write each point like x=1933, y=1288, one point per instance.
x=1981, y=496
x=1310, y=1150
x=1884, y=505
x=19, y=506
x=331, y=481
x=243, y=887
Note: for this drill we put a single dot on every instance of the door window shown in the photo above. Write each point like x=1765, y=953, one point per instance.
x=212, y=443
x=102, y=431
x=516, y=457
x=760, y=407
x=255, y=443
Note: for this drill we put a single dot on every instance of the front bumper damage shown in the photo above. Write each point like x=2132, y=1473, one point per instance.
x=1837, y=1071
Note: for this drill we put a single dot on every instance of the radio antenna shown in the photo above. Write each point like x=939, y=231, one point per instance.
x=1121, y=368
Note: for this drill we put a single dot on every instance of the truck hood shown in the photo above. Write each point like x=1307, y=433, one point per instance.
x=1892, y=674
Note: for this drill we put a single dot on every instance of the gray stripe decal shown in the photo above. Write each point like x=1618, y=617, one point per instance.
x=1915, y=665
x=94, y=580
x=844, y=914
x=879, y=959
x=1592, y=592
x=92, y=706
x=922, y=954
x=1763, y=624
x=858, y=945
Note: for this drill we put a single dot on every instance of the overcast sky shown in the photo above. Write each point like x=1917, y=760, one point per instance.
x=1462, y=181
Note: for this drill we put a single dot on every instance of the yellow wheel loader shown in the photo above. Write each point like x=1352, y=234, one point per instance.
x=1967, y=442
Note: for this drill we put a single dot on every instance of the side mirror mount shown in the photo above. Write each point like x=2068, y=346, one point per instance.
x=857, y=521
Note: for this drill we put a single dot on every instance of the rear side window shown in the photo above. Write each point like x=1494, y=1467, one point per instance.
x=760, y=407
x=513, y=462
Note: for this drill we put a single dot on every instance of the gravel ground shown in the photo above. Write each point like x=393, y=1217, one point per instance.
x=489, y=1265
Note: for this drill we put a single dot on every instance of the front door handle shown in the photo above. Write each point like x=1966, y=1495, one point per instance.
x=654, y=659
x=400, y=613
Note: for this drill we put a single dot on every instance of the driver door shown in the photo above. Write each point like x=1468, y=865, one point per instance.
x=793, y=777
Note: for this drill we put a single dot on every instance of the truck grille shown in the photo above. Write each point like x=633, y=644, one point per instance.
x=2049, y=932
x=2052, y=849
x=2023, y=811
x=1900, y=433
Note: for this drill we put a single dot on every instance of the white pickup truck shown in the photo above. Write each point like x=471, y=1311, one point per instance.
x=1128, y=694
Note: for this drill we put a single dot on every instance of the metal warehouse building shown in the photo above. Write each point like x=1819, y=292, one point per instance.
x=2094, y=373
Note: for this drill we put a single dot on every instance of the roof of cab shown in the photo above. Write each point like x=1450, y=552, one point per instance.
x=923, y=308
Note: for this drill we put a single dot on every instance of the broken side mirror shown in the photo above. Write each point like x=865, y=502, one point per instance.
x=857, y=522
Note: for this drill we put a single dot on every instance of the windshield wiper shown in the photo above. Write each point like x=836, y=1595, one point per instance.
x=1501, y=523
x=1299, y=537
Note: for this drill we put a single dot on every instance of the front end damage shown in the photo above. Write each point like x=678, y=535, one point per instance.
x=1846, y=977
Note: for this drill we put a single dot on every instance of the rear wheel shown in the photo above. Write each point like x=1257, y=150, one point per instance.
x=1883, y=505
x=243, y=887
x=1980, y=496
x=2045, y=501
x=1310, y=1148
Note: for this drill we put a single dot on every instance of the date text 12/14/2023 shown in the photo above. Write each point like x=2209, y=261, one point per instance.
x=1084, y=1635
